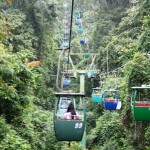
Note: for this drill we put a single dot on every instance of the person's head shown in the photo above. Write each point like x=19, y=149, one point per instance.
x=71, y=103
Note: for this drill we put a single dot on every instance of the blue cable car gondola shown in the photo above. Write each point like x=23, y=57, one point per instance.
x=111, y=101
x=73, y=129
x=66, y=82
x=90, y=74
x=82, y=41
x=96, y=95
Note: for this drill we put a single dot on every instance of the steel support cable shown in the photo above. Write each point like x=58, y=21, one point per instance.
x=72, y=8
x=116, y=69
x=107, y=63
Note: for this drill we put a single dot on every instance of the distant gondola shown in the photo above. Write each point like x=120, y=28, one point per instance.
x=97, y=95
x=111, y=100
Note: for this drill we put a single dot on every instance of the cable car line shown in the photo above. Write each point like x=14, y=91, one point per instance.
x=72, y=8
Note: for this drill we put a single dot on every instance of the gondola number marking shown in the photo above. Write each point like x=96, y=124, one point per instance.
x=78, y=125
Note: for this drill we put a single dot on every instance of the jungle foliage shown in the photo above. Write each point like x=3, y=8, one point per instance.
x=30, y=31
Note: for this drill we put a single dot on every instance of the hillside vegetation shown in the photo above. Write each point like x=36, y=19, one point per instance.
x=30, y=30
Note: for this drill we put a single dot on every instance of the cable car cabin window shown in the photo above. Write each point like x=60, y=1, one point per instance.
x=142, y=98
x=96, y=92
x=63, y=113
x=96, y=95
x=111, y=100
x=64, y=103
x=111, y=97
x=140, y=103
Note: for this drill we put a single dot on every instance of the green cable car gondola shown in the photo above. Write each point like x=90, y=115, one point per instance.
x=86, y=55
x=140, y=103
x=72, y=129
x=97, y=95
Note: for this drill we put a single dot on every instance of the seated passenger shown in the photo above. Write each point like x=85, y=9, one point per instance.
x=71, y=113
x=67, y=115
x=96, y=92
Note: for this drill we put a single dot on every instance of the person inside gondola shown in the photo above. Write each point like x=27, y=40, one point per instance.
x=71, y=109
x=96, y=92
x=71, y=113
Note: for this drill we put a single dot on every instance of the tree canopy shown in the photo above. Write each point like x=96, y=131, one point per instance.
x=32, y=31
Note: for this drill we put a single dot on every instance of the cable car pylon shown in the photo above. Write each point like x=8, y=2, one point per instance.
x=82, y=90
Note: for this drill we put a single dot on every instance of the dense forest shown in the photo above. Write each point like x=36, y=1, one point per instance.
x=31, y=30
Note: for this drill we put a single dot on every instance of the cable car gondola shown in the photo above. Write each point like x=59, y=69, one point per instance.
x=66, y=81
x=76, y=13
x=140, y=103
x=96, y=95
x=90, y=74
x=111, y=101
x=73, y=129
x=66, y=32
x=80, y=30
x=65, y=43
x=82, y=41
x=86, y=55
x=77, y=21
x=65, y=6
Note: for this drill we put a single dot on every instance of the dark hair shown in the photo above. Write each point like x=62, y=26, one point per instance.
x=71, y=104
x=71, y=109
